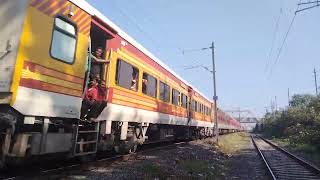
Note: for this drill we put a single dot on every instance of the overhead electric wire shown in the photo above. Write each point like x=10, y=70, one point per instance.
x=283, y=42
x=197, y=66
x=310, y=2
x=146, y=17
x=273, y=40
x=315, y=4
x=147, y=35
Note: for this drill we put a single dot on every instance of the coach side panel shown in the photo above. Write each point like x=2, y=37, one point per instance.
x=12, y=15
x=51, y=60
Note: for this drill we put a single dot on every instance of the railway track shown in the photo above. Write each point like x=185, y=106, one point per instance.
x=281, y=164
x=35, y=172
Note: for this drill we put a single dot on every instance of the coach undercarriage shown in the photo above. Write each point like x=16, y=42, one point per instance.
x=26, y=138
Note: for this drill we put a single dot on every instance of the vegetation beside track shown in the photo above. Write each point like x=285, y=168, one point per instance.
x=234, y=143
x=243, y=161
x=297, y=127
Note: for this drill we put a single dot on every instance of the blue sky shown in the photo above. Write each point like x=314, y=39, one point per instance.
x=243, y=32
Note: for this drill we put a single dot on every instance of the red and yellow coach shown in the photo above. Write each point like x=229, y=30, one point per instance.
x=46, y=51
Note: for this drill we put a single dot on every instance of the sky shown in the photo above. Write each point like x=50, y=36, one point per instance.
x=247, y=40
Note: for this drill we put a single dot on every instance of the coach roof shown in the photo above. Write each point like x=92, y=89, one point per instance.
x=94, y=12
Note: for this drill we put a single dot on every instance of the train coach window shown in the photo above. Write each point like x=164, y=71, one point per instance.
x=64, y=40
x=175, y=97
x=184, y=101
x=164, y=92
x=127, y=75
x=192, y=105
x=196, y=106
x=149, y=85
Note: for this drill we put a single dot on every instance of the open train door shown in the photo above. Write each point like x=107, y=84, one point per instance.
x=99, y=56
x=190, y=105
x=101, y=34
x=87, y=135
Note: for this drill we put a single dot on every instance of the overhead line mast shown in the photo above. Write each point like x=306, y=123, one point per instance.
x=312, y=4
x=213, y=71
x=315, y=80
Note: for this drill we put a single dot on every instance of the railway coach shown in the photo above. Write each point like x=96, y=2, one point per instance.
x=46, y=52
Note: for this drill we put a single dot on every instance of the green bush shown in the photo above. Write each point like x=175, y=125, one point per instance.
x=299, y=123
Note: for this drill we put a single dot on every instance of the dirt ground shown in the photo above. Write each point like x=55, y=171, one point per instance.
x=243, y=162
x=234, y=158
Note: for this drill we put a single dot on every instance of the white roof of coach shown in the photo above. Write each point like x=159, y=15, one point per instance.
x=94, y=12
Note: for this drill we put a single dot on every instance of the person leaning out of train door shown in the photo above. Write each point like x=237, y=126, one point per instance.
x=97, y=62
x=100, y=103
x=90, y=98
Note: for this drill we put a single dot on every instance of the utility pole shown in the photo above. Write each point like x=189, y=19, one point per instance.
x=272, y=108
x=276, y=103
x=315, y=80
x=215, y=97
x=288, y=96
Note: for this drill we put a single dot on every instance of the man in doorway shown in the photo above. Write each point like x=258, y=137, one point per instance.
x=97, y=64
x=90, y=99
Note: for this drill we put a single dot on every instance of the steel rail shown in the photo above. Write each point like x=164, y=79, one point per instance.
x=264, y=159
x=299, y=160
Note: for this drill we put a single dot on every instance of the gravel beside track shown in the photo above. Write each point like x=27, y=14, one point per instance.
x=192, y=160
x=282, y=165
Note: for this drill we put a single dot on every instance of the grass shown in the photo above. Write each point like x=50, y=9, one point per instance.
x=233, y=143
x=198, y=167
x=152, y=170
x=195, y=166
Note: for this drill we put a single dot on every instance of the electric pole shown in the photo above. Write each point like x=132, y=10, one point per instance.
x=276, y=103
x=315, y=80
x=288, y=97
x=215, y=97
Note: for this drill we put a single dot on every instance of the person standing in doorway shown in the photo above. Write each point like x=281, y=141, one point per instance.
x=97, y=64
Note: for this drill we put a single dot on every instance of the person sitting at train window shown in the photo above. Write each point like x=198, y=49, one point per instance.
x=134, y=81
x=97, y=62
x=144, y=83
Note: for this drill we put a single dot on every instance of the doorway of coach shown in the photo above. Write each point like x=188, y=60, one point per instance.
x=97, y=73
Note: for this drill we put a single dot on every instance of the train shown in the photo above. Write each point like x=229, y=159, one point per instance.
x=46, y=52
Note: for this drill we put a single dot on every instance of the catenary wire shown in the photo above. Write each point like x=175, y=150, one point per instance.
x=273, y=40
x=283, y=42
